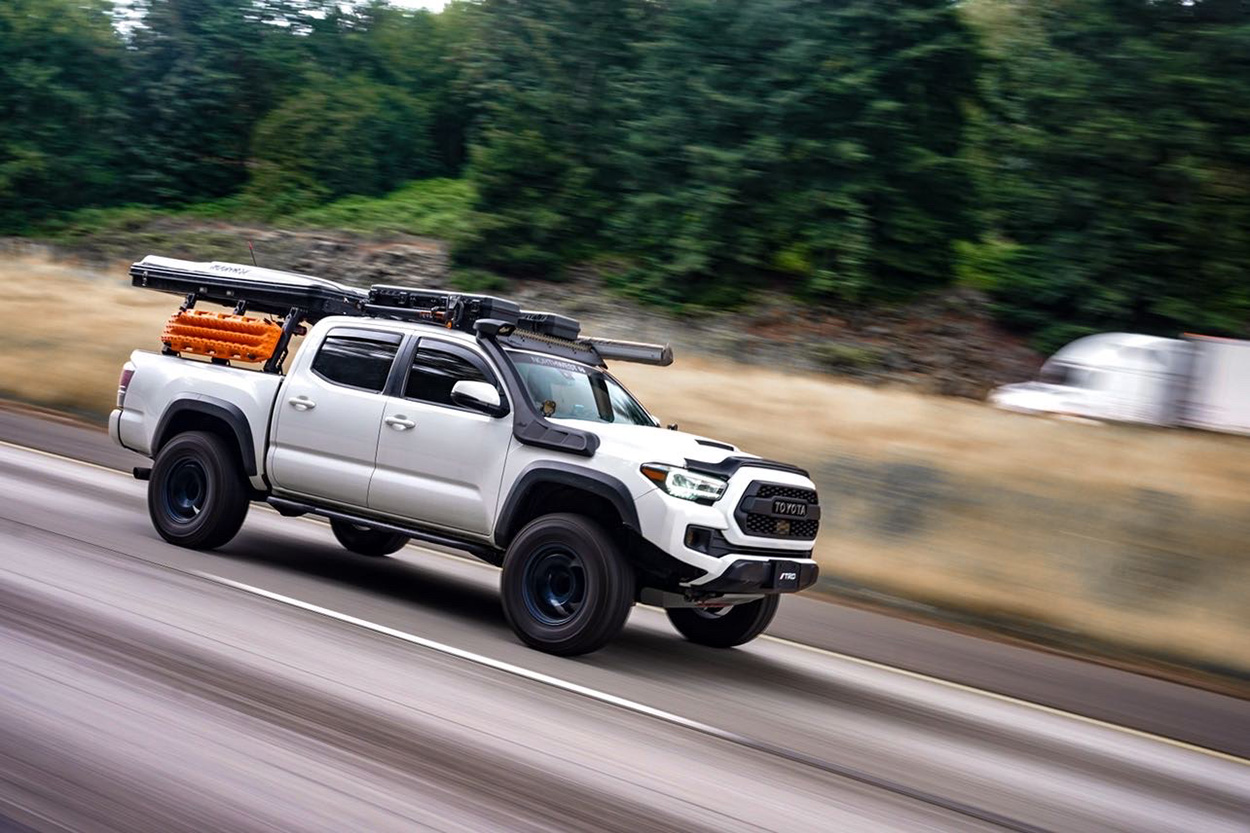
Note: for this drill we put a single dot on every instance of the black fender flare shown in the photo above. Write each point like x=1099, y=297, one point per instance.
x=227, y=412
x=563, y=474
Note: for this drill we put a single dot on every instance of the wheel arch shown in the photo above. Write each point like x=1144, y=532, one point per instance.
x=549, y=487
x=216, y=416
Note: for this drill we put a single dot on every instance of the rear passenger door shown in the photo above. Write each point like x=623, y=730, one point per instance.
x=328, y=415
x=437, y=462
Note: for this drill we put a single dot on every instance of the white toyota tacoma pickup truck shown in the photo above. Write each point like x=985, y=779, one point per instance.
x=461, y=421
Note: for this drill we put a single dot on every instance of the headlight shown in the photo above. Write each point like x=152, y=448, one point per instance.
x=684, y=483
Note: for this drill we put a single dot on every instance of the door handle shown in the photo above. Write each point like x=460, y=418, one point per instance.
x=400, y=423
x=301, y=403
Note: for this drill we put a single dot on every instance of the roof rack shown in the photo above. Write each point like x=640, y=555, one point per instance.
x=300, y=298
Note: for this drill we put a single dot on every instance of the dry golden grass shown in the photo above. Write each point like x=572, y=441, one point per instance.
x=803, y=418
x=1033, y=520
x=65, y=331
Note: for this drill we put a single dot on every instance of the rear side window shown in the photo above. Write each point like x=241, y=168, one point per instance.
x=355, y=362
x=434, y=372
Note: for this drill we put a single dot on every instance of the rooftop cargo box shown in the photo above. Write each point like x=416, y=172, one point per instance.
x=264, y=290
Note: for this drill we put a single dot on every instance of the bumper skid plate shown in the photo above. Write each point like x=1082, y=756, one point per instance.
x=762, y=577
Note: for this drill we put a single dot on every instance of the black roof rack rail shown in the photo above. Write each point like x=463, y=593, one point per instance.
x=297, y=298
x=455, y=310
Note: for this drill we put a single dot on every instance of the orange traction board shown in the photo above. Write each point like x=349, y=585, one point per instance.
x=221, y=335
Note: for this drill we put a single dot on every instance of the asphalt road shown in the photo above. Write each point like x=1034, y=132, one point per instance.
x=284, y=684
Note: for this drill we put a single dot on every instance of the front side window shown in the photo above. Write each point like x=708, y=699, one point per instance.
x=435, y=372
x=568, y=390
x=355, y=362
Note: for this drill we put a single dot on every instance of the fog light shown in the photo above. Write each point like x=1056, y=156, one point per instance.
x=699, y=538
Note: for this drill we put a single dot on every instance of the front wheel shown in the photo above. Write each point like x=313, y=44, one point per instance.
x=725, y=626
x=364, y=540
x=197, y=494
x=566, y=587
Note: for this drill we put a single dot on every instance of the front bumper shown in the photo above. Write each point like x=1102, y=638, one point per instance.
x=758, y=576
x=665, y=520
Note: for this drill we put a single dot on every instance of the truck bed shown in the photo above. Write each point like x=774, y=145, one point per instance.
x=160, y=379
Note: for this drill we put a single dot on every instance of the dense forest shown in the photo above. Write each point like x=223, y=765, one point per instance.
x=1086, y=163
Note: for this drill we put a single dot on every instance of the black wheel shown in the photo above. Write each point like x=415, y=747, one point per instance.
x=197, y=495
x=727, y=626
x=566, y=587
x=365, y=541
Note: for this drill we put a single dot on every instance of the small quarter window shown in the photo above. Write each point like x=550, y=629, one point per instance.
x=355, y=362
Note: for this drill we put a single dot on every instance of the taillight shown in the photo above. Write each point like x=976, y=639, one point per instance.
x=124, y=382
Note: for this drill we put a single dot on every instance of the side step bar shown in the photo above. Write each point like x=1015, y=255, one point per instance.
x=293, y=508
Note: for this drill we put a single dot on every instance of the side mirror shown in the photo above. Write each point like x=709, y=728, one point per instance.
x=478, y=396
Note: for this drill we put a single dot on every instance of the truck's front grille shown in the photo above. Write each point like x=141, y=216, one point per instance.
x=777, y=490
x=767, y=526
x=773, y=510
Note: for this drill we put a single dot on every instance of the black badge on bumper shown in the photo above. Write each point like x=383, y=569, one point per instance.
x=762, y=577
x=785, y=576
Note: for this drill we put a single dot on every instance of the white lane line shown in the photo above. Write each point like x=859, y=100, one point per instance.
x=867, y=663
x=634, y=706
x=479, y=659
x=1005, y=698
x=62, y=457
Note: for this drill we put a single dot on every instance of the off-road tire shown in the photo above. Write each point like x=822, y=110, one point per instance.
x=566, y=587
x=725, y=629
x=197, y=494
x=365, y=541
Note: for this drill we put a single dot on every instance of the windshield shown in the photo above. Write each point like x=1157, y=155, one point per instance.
x=1068, y=375
x=568, y=390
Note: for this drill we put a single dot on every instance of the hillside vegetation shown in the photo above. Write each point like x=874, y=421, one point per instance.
x=1084, y=162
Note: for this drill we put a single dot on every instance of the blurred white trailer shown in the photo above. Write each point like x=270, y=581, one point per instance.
x=1194, y=381
x=1218, y=396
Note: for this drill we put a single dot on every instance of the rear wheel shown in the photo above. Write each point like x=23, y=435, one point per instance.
x=566, y=587
x=726, y=626
x=197, y=494
x=364, y=540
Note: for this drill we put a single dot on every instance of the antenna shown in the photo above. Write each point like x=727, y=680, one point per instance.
x=252, y=252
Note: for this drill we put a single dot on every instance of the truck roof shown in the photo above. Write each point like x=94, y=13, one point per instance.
x=1115, y=349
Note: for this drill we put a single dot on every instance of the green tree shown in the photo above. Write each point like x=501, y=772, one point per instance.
x=542, y=86
x=1114, y=162
x=716, y=141
x=61, y=116
x=203, y=74
x=415, y=51
x=738, y=153
x=918, y=62
x=354, y=136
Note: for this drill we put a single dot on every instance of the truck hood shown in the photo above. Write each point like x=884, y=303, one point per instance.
x=644, y=444
x=1037, y=398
